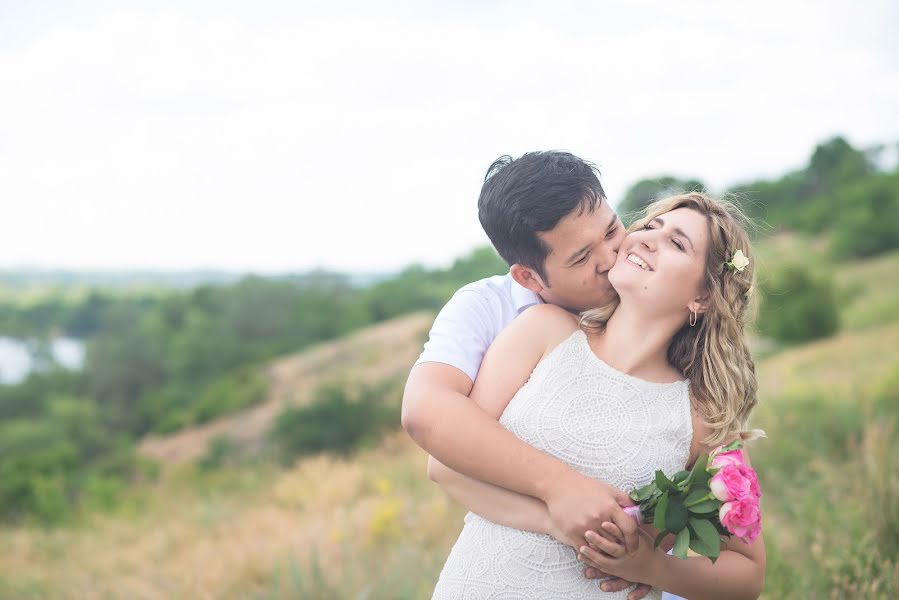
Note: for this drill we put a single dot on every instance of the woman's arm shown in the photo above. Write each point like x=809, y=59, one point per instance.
x=736, y=574
x=493, y=502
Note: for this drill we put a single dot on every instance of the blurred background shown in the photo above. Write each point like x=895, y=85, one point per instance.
x=227, y=230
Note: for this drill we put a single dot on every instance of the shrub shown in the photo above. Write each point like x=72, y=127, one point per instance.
x=337, y=420
x=867, y=225
x=798, y=305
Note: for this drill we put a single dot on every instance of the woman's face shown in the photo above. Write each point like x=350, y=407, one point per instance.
x=662, y=267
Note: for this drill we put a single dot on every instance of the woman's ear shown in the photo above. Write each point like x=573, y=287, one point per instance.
x=699, y=305
x=527, y=278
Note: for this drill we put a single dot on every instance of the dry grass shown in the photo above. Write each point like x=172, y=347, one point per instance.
x=187, y=545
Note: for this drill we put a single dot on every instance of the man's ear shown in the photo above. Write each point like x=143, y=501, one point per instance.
x=527, y=277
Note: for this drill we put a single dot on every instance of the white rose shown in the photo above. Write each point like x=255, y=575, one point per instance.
x=740, y=261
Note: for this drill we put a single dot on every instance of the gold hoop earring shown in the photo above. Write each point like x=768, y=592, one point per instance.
x=692, y=318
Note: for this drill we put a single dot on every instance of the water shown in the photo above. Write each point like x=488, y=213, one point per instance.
x=20, y=357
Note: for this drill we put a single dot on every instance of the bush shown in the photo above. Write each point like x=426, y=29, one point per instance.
x=798, y=305
x=220, y=451
x=237, y=390
x=869, y=223
x=336, y=421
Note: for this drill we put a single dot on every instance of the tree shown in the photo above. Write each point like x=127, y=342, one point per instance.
x=798, y=305
x=645, y=191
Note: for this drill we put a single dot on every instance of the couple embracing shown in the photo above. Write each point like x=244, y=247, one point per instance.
x=545, y=395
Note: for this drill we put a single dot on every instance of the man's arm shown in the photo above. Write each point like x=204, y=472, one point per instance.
x=493, y=502
x=450, y=426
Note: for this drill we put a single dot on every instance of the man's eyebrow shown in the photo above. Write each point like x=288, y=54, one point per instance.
x=677, y=230
x=612, y=222
x=577, y=253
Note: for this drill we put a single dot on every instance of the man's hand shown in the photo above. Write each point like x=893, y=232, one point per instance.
x=578, y=504
x=617, y=584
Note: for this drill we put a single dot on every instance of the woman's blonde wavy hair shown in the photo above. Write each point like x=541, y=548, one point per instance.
x=714, y=354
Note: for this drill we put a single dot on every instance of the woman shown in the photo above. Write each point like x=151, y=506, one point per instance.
x=648, y=383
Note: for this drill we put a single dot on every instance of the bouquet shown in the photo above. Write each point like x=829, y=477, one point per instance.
x=718, y=496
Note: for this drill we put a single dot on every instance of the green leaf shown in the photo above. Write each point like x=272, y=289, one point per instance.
x=658, y=519
x=699, y=473
x=675, y=515
x=643, y=493
x=664, y=483
x=682, y=542
x=680, y=477
x=706, y=540
x=733, y=446
x=705, y=507
x=696, y=495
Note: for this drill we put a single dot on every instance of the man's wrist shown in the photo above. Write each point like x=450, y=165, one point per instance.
x=553, y=479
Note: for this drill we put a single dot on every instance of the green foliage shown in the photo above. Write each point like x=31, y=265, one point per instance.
x=800, y=199
x=867, y=220
x=222, y=449
x=337, y=420
x=240, y=389
x=48, y=466
x=798, y=305
x=417, y=288
x=646, y=191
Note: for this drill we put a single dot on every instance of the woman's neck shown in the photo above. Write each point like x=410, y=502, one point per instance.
x=634, y=343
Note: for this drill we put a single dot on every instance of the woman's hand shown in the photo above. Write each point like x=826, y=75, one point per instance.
x=610, y=555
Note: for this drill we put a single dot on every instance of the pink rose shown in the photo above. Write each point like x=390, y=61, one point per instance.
x=733, y=457
x=730, y=483
x=742, y=518
x=754, y=487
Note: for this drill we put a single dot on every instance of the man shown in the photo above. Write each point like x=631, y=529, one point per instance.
x=548, y=217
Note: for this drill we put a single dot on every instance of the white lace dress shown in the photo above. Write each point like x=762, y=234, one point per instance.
x=606, y=424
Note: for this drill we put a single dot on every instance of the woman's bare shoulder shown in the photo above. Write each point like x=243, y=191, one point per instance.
x=548, y=320
x=550, y=315
x=544, y=326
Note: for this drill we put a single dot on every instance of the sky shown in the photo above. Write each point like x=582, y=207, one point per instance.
x=283, y=136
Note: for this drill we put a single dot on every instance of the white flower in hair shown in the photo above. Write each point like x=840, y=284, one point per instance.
x=739, y=262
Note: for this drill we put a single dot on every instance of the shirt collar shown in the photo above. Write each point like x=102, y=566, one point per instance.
x=522, y=297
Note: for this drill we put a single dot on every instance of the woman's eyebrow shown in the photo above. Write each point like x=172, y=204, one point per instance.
x=677, y=230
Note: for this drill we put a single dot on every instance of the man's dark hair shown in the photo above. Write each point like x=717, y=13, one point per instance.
x=530, y=194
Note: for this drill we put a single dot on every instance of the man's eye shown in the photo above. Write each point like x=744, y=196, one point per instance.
x=583, y=260
x=611, y=233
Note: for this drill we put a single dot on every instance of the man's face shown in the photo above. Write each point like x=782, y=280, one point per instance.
x=583, y=248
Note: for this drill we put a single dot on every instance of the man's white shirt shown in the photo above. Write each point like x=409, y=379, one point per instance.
x=472, y=319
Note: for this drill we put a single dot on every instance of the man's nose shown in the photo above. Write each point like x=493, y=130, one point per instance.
x=607, y=258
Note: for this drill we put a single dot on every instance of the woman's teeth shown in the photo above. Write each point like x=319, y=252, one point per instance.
x=638, y=261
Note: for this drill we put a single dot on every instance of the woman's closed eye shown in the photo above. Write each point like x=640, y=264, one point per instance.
x=675, y=241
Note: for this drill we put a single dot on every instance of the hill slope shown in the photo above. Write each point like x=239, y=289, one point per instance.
x=381, y=352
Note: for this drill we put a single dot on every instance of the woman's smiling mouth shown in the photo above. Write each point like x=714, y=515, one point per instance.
x=633, y=258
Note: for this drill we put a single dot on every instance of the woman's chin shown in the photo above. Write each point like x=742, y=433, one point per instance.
x=623, y=276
